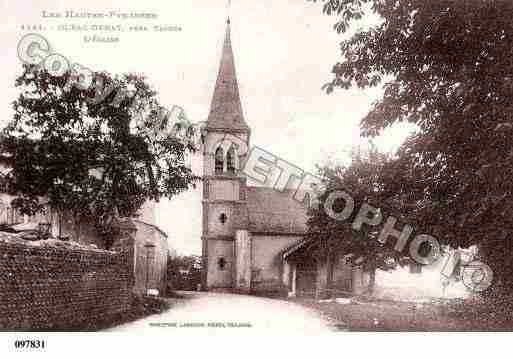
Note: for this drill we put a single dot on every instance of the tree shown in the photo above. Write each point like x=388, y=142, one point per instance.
x=94, y=160
x=184, y=272
x=363, y=180
x=446, y=67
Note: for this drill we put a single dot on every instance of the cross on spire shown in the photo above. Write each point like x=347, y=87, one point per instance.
x=228, y=11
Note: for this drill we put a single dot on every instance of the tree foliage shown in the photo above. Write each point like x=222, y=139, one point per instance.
x=91, y=159
x=364, y=180
x=446, y=66
x=184, y=272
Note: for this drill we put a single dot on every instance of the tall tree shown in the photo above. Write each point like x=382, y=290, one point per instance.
x=363, y=180
x=447, y=67
x=91, y=159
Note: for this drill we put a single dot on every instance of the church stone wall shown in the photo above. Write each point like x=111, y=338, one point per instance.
x=243, y=261
x=221, y=265
x=224, y=190
x=266, y=260
x=216, y=227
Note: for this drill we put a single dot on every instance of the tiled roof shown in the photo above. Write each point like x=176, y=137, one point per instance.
x=226, y=109
x=296, y=247
x=273, y=211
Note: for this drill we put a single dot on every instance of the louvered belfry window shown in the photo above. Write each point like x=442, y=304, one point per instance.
x=219, y=161
x=230, y=160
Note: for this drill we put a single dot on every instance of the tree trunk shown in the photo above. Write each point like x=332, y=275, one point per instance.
x=59, y=219
x=372, y=281
x=78, y=223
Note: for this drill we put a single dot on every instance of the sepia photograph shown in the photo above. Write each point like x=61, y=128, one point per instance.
x=240, y=168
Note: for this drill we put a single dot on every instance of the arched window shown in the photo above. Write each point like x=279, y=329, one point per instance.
x=230, y=160
x=219, y=161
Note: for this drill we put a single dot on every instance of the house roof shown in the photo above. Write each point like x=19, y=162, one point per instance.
x=273, y=211
x=226, y=109
x=151, y=225
x=296, y=247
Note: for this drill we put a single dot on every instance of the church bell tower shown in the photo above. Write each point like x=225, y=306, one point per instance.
x=225, y=239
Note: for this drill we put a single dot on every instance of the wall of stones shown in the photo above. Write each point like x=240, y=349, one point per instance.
x=61, y=288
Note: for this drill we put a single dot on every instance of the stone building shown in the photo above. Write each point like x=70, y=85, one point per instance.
x=150, y=255
x=150, y=242
x=252, y=237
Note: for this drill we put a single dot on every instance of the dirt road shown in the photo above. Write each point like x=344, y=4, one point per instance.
x=217, y=312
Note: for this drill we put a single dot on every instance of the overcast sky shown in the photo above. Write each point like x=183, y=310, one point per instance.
x=284, y=51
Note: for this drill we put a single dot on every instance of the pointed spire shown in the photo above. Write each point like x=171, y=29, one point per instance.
x=226, y=109
x=229, y=7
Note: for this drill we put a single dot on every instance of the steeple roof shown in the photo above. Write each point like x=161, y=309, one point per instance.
x=226, y=109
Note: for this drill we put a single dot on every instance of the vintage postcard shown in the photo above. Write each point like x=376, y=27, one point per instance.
x=245, y=167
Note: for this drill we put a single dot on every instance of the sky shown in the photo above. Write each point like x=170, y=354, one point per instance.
x=284, y=51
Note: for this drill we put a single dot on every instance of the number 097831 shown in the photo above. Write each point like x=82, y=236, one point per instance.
x=29, y=344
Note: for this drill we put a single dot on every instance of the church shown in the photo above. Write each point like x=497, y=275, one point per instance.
x=252, y=237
